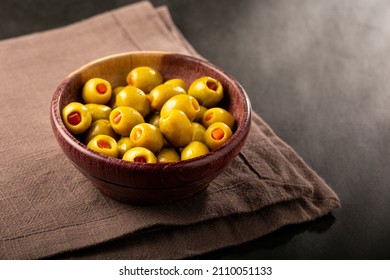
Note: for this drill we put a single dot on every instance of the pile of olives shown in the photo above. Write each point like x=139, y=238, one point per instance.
x=150, y=120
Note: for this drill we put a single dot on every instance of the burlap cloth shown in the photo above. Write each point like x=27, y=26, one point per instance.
x=48, y=208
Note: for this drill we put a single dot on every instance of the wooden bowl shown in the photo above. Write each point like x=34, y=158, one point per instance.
x=143, y=183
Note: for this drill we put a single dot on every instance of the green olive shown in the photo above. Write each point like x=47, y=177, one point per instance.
x=145, y=78
x=177, y=128
x=123, y=119
x=98, y=127
x=177, y=82
x=167, y=155
x=112, y=101
x=193, y=150
x=135, y=98
x=161, y=93
x=198, y=131
x=154, y=119
x=217, y=134
x=98, y=111
x=140, y=154
x=148, y=136
x=183, y=102
x=217, y=114
x=104, y=144
x=96, y=90
x=76, y=117
x=199, y=116
x=208, y=91
x=124, y=144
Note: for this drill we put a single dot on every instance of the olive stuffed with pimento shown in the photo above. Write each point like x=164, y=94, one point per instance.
x=150, y=120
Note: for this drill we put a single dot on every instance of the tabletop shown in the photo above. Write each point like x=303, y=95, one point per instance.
x=317, y=72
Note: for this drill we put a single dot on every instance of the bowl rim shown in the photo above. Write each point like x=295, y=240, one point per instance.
x=239, y=135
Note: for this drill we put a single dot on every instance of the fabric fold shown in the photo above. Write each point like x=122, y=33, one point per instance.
x=49, y=209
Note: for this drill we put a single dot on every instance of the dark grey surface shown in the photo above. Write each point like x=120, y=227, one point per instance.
x=318, y=72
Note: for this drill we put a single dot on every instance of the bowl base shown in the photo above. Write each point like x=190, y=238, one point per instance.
x=141, y=196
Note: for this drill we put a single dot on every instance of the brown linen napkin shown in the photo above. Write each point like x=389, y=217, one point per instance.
x=48, y=208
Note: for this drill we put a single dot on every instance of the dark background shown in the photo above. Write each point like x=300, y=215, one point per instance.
x=318, y=72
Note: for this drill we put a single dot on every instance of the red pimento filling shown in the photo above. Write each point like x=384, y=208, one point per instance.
x=102, y=144
x=217, y=133
x=130, y=81
x=74, y=118
x=101, y=88
x=137, y=134
x=209, y=116
x=212, y=85
x=118, y=118
x=140, y=159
